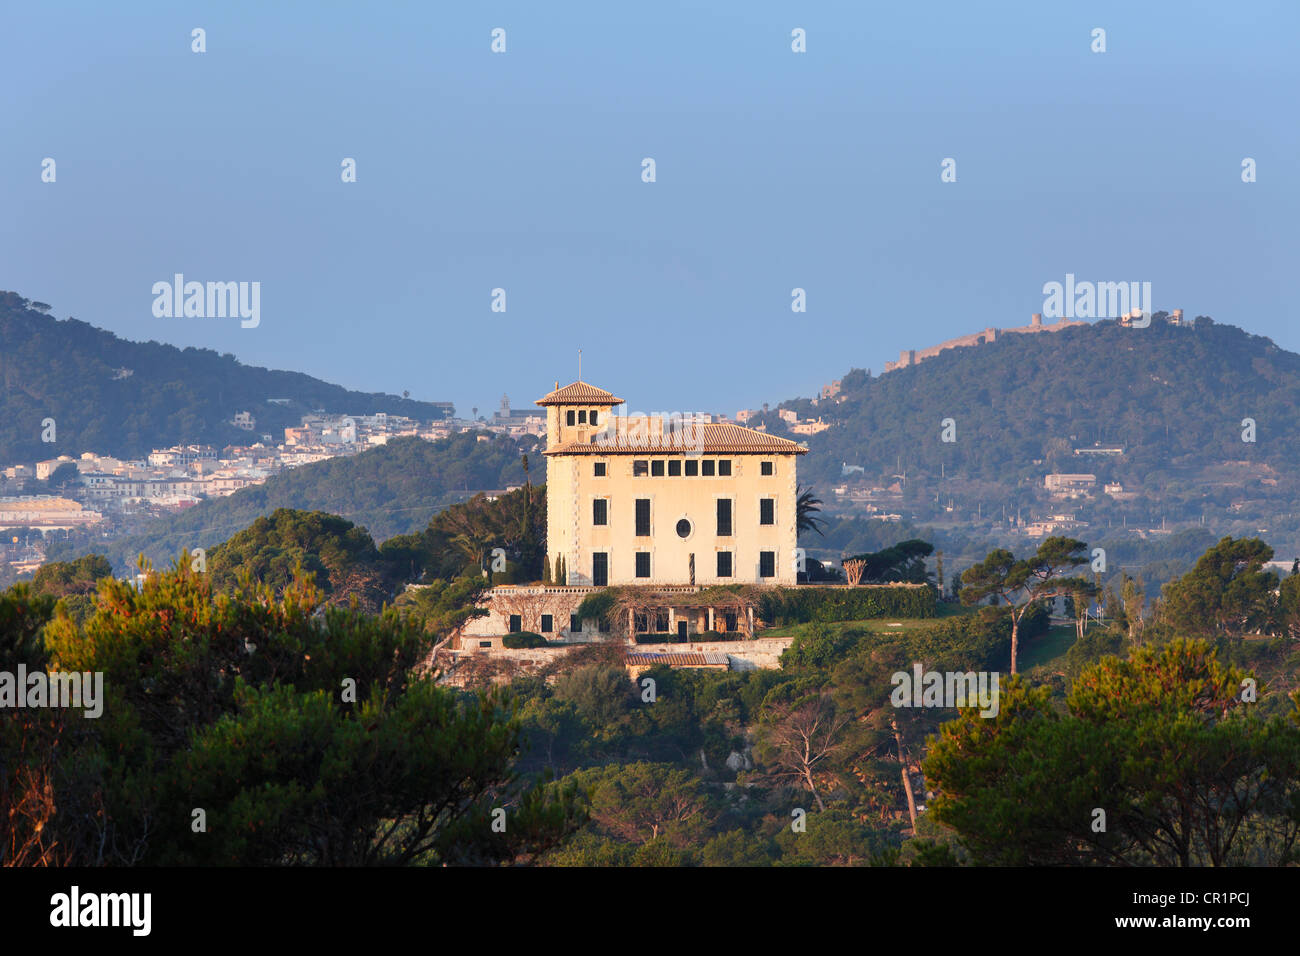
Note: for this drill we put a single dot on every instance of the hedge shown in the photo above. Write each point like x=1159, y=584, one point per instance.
x=523, y=639
x=783, y=606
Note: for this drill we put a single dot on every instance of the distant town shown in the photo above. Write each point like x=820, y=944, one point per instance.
x=116, y=496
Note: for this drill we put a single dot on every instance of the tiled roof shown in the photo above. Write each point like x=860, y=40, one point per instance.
x=696, y=439
x=676, y=659
x=579, y=393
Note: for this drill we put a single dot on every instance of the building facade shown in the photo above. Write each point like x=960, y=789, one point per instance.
x=652, y=501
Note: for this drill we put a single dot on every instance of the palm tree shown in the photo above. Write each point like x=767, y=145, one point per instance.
x=805, y=508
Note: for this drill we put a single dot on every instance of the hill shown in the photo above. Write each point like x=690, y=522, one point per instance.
x=1172, y=399
x=125, y=398
x=389, y=490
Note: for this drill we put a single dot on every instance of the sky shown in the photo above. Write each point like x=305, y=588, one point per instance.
x=523, y=171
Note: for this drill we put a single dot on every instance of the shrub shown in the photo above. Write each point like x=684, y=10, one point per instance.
x=523, y=639
x=784, y=606
x=596, y=605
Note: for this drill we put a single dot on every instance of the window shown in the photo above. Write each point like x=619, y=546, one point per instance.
x=484, y=643
x=642, y=517
x=767, y=564
x=600, y=511
x=675, y=468
x=571, y=417
x=516, y=623
x=724, y=564
x=724, y=466
x=640, y=468
x=582, y=417
x=706, y=467
x=575, y=625
x=600, y=568
x=548, y=623
x=724, y=516
x=643, y=564
x=593, y=416
x=731, y=620
x=766, y=511
x=661, y=622
x=683, y=528
x=657, y=468
x=599, y=469
x=692, y=467
x=640, y=622
x=767, y=469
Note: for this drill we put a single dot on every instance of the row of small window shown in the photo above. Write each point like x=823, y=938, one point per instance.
x=641, y=622
x=548, y=624
x=726, y=566
x=582, y=417
x=600, y=515
x=677, y=467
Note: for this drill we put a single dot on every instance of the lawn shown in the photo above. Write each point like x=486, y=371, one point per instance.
x=876, y=625
x=1047, y=648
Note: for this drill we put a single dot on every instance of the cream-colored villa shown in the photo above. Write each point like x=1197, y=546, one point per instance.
x=672, y=505
x=653, y=501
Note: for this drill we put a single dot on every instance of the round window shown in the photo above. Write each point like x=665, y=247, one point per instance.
x=683, y=528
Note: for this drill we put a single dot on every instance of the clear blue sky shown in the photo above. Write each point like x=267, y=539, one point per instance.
x=523, y=171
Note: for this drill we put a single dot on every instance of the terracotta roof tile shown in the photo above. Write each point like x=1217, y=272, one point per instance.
x=579, y=393
x=697, y=439
x=675, y=659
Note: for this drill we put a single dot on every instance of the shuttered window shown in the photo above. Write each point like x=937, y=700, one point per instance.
x=724, y=517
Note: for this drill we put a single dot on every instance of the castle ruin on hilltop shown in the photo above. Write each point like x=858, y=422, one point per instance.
x=913, y=356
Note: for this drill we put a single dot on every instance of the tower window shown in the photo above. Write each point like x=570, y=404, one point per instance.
x=767, y=468
x=724, y=466
x=548, y=623
x=767, y=564
x=640, y=468
x=593, y=416
x=675, y=468
x=582, y=417
x=706, y=467
x=657, y=468
x=643, y=564
x=599, y=469
x=692, y=467
x=600, y=568
x=724, y=517
x=766, y=511
x=642, y=517
x=571, y=417
x=600, y=511
x=724, y=564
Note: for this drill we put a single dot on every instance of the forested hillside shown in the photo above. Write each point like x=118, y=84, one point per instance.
x=1173, y=396
x=76, y=374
